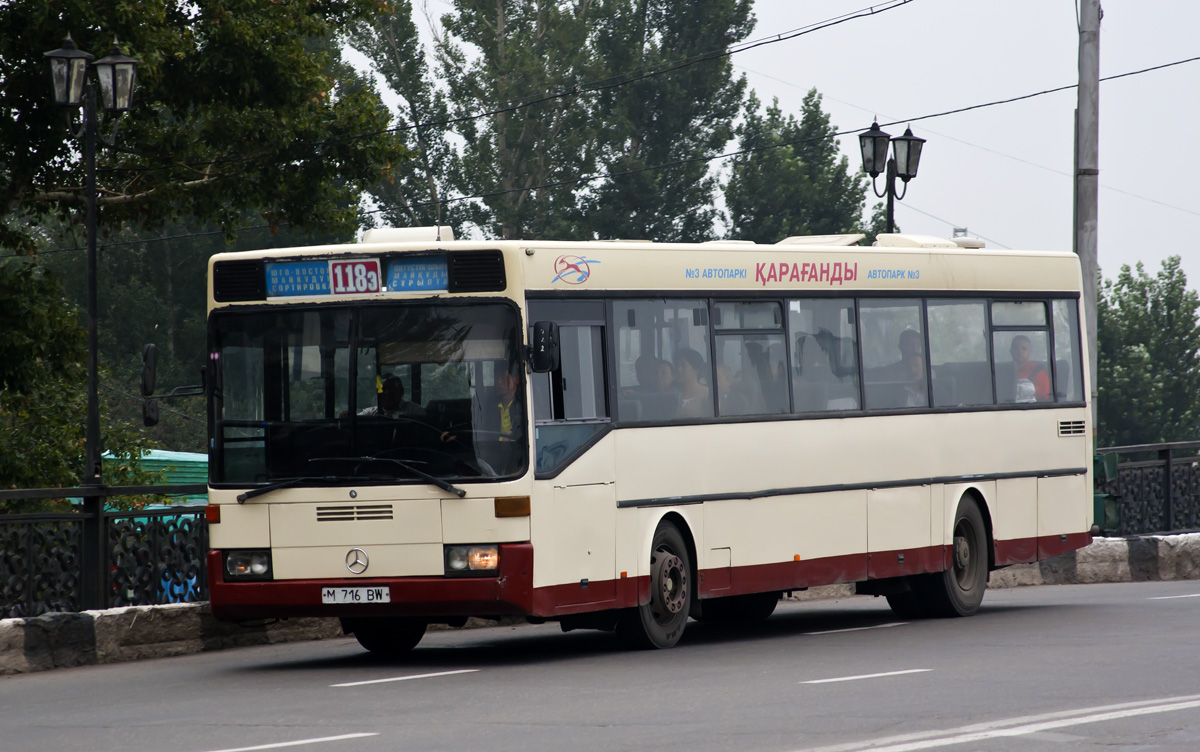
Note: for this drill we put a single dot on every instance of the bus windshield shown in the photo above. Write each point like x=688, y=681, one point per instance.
x=371, y=393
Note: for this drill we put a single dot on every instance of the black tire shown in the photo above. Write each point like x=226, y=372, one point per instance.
x=386, y=637
x=660, y=623
x=959, y=590
x=907, y=605
x=739, y=610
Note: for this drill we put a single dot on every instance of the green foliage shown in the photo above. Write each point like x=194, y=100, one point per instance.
x=411, y=192
x=804, y=188
x=238, y=106
x=519, y=50
x=878, y=223
x=527, y=161
x=686, y=114
x=154, y=292
x=1148, y=335
x=43, y=401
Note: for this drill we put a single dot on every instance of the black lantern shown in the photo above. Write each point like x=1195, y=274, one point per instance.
x=907, y=149
x=874, y=145
x=117, y=74
x=906, y=156
x=68, y=68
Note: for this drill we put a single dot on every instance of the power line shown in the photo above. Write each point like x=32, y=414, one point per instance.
x=624, y=79
x=692, y=160
x=136, y=398
x=908, y=205
x=794, y=142
x=591, y=87
x=984, y=148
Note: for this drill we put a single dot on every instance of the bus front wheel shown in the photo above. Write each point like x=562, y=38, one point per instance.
x=958, y=591
x=660, y=623
x=387, y=637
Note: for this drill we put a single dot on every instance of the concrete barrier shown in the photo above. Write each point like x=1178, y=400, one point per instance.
x=60, y=640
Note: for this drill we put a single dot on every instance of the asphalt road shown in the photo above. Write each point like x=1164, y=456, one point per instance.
x=1064, y=668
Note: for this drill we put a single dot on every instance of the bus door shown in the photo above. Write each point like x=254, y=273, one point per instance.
x=574, y=532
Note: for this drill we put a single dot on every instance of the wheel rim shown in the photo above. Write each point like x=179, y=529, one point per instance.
x=668, y=587
x=966, y=555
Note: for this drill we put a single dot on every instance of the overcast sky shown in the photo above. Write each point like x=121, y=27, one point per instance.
x=1004, y=172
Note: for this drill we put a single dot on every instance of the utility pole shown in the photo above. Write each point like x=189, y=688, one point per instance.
x=1087, y=172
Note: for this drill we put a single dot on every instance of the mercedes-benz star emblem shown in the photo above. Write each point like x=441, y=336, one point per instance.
x=356, y=560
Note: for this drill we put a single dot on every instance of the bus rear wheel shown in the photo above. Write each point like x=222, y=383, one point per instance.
x=386, y=636
x=958, y=591
x=660, y=623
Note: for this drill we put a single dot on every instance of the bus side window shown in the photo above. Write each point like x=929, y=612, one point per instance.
x=570, y=404
x=1068, y=368
x=663, y=369
x=824, y=355
x=893, y=345
x=958, y=353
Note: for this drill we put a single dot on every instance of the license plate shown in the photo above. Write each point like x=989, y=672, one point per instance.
x=356, y=595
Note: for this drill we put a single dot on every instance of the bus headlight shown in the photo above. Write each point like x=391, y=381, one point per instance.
x=472, y=560
x=248, y=564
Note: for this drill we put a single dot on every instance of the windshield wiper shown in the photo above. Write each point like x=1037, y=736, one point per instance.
x=288, y=482
x=439, y=482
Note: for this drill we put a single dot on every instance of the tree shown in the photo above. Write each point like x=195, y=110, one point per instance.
x=522, y=160
x=236, y=108
x=412, y=192
x=43, y=392
x=153, y=290
x=1148, y=335
x=551, y=94
x=795, y=182
x=682, y=116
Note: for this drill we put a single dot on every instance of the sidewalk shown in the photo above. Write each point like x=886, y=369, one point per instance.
x=60, y=640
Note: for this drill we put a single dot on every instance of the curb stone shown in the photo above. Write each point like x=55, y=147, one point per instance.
x=60, y=640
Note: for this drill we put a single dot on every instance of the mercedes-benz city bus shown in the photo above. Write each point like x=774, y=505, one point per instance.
x=625, y=435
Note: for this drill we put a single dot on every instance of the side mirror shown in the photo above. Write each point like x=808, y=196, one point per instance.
x=544, y=347
x=149, y=367
x=150, y=413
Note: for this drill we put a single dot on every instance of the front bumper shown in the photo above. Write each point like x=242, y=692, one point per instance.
x=510, y=593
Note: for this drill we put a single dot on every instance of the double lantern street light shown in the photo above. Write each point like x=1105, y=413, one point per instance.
x=903, y=164
x=116, y=75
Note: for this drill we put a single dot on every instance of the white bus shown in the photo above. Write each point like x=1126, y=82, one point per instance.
x=626, y=435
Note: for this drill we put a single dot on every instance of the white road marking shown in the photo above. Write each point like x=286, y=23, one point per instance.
x=859, y=629
x=1020, y=726
x=406, y=678
x=868, y=676
x=280, y=745
x=1170, y=597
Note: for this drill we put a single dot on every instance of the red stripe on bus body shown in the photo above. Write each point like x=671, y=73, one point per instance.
x=512, y=592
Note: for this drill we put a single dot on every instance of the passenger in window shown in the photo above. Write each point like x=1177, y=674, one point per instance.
x=813, y=375
x=730, y=395
x=653, y=374
x=695, y=398
x=391, y=402
x=1033, y=382
x=910, y=369
x=653, y=394
x=774, y=380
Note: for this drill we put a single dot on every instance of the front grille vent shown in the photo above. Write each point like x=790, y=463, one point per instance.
x=351, y=513
x=476, y=271
x=235, y=281
x=1071, y=428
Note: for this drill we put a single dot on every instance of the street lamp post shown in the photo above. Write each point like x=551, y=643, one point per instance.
x=903, y=164
x=116, y=75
